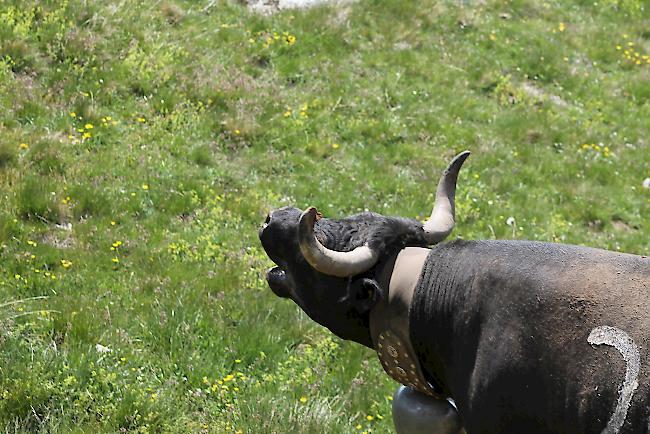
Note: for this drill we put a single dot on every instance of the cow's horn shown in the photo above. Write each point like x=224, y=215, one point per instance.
x=341, y=264
x=442, y=219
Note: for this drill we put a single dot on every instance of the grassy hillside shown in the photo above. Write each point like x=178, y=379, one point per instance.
x=142, y=143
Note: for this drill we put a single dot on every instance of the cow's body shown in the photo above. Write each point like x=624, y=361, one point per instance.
x=505, y=325
x=526, y=337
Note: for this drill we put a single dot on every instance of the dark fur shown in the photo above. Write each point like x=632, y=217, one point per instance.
x=505, y=323
x=381, y=233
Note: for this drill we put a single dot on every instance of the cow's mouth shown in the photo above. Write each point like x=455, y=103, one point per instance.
x=277, y=279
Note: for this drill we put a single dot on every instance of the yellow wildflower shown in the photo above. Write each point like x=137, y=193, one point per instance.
x=561, y=27
x=303, y=399
x=65, y=263
x=23, y=146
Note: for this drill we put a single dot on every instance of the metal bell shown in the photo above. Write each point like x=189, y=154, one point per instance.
x=417, y=413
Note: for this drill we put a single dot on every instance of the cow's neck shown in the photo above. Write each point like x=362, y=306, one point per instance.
x=444, y=325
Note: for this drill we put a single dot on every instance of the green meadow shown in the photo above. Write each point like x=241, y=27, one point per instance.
x=143, y=143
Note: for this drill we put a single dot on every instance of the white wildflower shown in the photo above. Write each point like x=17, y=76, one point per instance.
x=102, y=349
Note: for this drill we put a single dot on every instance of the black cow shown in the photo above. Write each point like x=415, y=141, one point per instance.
x=526, y=337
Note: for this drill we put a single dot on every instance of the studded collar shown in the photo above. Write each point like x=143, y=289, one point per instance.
x=389, y=321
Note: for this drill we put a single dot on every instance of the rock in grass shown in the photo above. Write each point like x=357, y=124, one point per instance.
x=270, y=6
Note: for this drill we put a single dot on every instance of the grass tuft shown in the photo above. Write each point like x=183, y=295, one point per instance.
x=172, y=12
x=8, y=155
x=45, y=157
x=36, y=202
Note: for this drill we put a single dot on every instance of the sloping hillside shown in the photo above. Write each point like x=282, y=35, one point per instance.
x=142, y=143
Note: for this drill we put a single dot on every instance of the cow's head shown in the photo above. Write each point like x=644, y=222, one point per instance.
x=326, y=266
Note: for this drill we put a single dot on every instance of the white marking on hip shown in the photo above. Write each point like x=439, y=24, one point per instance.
x=625, y=345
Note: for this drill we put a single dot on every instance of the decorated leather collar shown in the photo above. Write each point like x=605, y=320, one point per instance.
x=389, y=321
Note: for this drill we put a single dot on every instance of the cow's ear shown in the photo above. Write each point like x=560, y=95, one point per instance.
x=364, y=294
